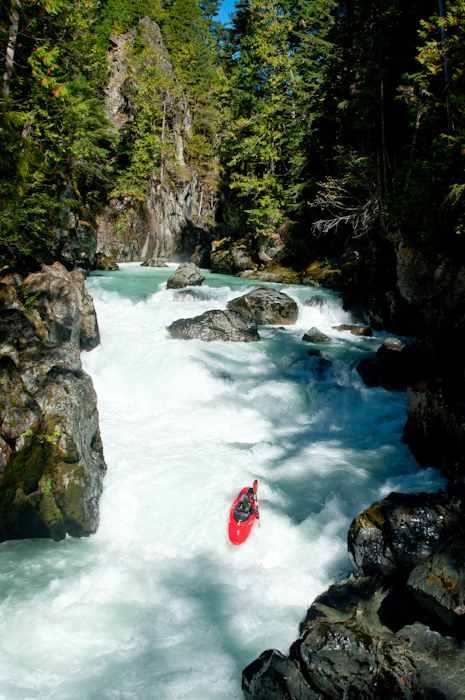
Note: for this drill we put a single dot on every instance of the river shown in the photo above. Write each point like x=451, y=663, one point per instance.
x=159, y=605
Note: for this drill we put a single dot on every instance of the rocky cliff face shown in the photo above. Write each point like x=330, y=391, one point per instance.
x=51, y=456
x=171, y=222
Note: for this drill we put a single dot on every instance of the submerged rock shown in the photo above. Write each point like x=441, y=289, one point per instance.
x=215, y=325
x=394, y=535
x=266, y=306
x=190, y=294
x=186, y=275
x=315, y=336
x=315, y=301
x=154, y=262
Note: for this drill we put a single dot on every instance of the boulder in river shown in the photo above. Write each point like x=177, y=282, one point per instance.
x=315, y=336
x=392, y=536
x=364, y=331
x=186, y=275
x=215, y=325
x=266, y=306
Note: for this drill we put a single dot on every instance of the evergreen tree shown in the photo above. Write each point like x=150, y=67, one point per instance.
x=53, y=132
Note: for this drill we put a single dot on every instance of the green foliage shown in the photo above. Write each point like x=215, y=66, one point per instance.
x=433, y=177
x=276, y=59
x=52, y=127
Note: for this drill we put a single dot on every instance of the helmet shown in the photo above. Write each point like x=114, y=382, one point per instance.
x=250, y=490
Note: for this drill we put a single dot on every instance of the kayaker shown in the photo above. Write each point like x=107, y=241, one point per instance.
x=248, y=501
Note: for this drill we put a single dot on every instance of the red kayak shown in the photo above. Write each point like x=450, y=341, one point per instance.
x=240, y=523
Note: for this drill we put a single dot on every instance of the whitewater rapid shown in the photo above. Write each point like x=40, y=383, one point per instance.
x=159, y=605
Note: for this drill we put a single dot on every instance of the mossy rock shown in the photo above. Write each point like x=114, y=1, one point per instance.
x=321, y=274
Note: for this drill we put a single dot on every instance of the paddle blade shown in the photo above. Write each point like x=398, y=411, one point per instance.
x=255, y=486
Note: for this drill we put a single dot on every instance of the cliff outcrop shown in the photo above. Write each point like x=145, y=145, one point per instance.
x=51, y=455
x=170, y=219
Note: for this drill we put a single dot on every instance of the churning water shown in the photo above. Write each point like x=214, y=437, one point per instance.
x=158, y=605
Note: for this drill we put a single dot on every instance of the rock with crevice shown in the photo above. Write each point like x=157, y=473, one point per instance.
x=266, y=306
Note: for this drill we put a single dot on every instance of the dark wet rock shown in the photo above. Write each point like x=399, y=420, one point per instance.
x=154, y=262
x=396, y=534
x=266, y=306
x=320, y=366
x=315, y=301
x=396, y=369
x=51, y=456
x=315, y=353
x=364, y=331
x=186, y=275
x=438, y=583
x=201, y=255
x=215, y=325
x=435, y=429
x=315, y=336
x=274, y=676
x=361, y=641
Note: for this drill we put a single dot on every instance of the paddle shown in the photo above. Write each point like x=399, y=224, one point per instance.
x=255, y=487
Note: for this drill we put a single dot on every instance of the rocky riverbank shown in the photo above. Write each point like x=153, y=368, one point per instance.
x=51, y=455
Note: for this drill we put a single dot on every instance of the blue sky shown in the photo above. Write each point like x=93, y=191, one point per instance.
x=226, y=8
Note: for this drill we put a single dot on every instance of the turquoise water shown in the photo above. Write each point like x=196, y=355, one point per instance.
x=158, y=605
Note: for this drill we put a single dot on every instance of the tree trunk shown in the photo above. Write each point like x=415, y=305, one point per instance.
x=11, y=47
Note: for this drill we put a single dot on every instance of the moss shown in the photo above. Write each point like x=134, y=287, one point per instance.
x=290, y=276
x=22, y=490
x=51, y=517
x=321, y=272
x=371, y=517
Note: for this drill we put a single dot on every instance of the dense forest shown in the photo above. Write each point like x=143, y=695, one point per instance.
x=319, y=119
